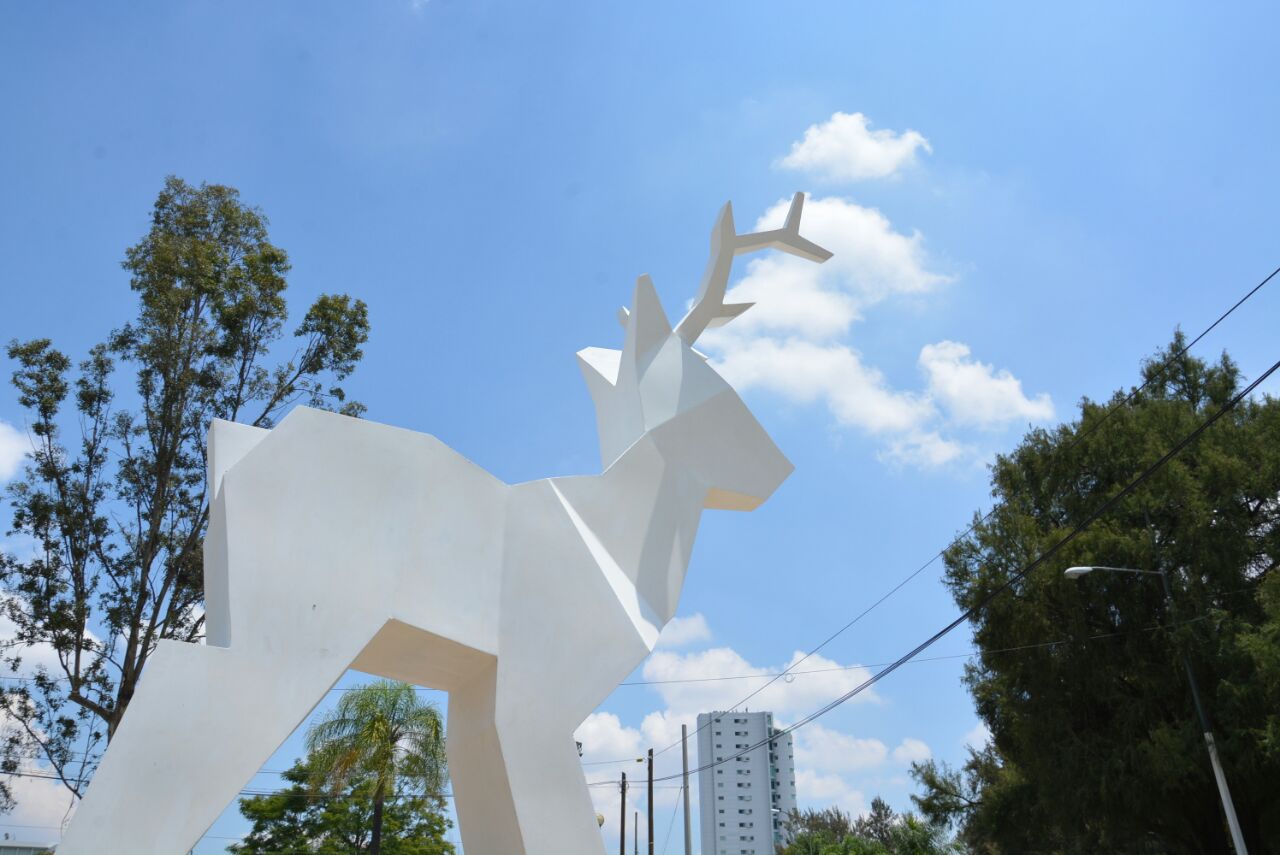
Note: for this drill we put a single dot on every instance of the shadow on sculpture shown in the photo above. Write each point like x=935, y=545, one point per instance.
x=335, y=543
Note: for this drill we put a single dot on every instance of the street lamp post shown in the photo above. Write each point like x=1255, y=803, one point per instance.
x=1224, y=792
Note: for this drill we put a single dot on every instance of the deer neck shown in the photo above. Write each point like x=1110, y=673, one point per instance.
x=642, y=515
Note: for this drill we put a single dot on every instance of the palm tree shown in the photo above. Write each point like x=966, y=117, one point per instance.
x=384, y=732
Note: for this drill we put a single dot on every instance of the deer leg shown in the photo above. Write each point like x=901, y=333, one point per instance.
x=477, y=772
x=203, y=721
x=552, y=804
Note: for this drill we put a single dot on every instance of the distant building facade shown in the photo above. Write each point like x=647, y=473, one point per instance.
x=743, y=800
x=9, y=846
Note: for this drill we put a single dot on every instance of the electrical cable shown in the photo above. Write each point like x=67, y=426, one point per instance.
x=1080, y=437
x=675, y=810
x=1012, y=580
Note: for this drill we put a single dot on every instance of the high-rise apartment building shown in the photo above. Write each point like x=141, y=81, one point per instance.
x=743, y=800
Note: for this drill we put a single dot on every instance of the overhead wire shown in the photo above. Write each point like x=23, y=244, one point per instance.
x=672, y=824
x=913, y=654
x=968, y=613
x=1076, y=440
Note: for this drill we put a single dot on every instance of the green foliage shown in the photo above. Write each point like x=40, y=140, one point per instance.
x=831, y=831
x=879, y=824
x=384, y=734
x=301, y=819
x=831, y=822
x=117, y=514
x=1262, y=644
x=1095, y=743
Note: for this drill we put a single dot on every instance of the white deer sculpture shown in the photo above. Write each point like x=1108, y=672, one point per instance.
x=336, y=543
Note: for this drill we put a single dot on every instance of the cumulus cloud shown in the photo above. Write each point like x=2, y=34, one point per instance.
x=797, y=693
x=34, y=656
x=795, y=342
x=870, y=262
x=603, y=736
x=978, y=736
x=912, y=751
x=14, y=445
x=975, y=393
x=825, y=756
x=844, y=148
x=856, y=394
x=829, y=790
x=43, y=804
x=683, y=631
x=826, y=750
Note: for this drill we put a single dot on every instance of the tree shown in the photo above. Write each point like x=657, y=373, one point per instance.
x=301, y=820
x=383, y=733
x=117, y=515
x=1095, y=746
x=878, y=823
x=831, y=831
x=831, y=822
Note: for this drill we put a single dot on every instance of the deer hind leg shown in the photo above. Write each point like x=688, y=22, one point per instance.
x=203, y=721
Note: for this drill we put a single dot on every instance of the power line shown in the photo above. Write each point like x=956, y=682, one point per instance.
x=863, y=665
x=675, y=810
x=1079, y=437
x=889, y=668
x=1012, y=580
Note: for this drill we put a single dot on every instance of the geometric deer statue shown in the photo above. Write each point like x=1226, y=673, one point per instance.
x=338, y=543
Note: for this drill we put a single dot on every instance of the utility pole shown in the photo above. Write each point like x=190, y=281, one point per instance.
x=635, y=832
x=622, y=830
x=1220, y=777
x=1224, y=793
x=684, y=752
x=650, y=805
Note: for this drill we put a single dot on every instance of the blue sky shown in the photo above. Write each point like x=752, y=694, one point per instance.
x=1024, y=202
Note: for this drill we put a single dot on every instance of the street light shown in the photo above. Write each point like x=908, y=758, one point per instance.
x=1224, y=793
x=1077, y=572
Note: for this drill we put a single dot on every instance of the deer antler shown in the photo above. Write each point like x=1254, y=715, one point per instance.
x=710, y=309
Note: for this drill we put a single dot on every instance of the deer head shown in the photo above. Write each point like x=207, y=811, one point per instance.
x=659, y=386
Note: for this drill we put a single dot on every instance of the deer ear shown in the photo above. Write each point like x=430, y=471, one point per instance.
x=647, y=324
x=228, y=442
x=600, y=369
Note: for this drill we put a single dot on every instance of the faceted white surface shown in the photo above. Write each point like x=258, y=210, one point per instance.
x=336, y=543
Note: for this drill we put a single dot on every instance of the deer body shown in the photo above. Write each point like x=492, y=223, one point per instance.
x=335, y=543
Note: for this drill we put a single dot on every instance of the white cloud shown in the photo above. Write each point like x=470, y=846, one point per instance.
x=975, y=393
x=870, y=262
x=825, y=750
x=858, y=396
x=14, y=445
x=912, y=751
x=796, y=343
x=682, y=631
x=604, y=738
x=822, y=753
x=815, y=788
x=798, y=693
x=844, y=148
x=34, y=656
x=42, y=803
x=978, y=736
x=924, y=449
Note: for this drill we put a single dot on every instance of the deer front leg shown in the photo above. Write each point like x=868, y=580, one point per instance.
x=477, y=772
x=549, y=794
x=567, y=635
